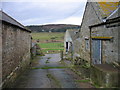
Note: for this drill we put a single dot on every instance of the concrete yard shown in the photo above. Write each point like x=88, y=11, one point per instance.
x=47, y=72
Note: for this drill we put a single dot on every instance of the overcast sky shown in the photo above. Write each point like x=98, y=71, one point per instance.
x=45, y=12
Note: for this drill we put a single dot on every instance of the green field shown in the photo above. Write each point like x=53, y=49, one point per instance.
x=47, y=36
x=51, y=47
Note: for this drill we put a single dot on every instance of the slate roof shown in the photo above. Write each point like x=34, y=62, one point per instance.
x=107, y=8
x=6, y=18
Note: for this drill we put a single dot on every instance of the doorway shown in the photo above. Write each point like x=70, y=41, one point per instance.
x=96, y=52
x=66, y=46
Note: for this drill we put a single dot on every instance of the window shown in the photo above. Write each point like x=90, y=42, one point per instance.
x=86, y=44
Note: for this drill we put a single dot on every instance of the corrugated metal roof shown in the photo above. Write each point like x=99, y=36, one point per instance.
x=5, y=17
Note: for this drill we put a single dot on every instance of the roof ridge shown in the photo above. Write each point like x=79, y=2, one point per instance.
x=6, y=18
x=12, y=18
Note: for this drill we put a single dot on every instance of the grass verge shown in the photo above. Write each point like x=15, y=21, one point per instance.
x=85, y=80
x=46, y=67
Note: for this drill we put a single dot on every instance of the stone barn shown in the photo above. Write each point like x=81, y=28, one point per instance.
x=96, y=13
x=99, y=41
x=69, y=42
x=16, y=44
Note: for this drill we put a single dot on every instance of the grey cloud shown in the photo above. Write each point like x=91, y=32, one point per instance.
x=42, y=12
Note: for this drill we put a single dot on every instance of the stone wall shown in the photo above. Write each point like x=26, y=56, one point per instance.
x=0, y=52
x=109, y=47
x=77, y=43
x=90, y=18
x=105, y=75
x=16, y=44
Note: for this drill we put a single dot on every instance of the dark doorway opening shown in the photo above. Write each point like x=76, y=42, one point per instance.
x=66, y=46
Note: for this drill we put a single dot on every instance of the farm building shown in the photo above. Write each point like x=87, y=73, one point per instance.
x=96, y=13
x=16, y=44
x=100, y=25
x=69, y=38
x=99, y=41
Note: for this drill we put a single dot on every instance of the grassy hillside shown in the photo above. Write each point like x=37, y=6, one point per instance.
x=52, y=27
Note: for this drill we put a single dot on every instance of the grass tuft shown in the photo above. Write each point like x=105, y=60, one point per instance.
x=46, y=67
x=85, y=80
x=47, y=61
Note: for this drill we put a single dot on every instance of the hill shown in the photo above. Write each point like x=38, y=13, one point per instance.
x=52, y=27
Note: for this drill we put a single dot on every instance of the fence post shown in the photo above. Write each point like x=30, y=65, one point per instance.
x=61, y=53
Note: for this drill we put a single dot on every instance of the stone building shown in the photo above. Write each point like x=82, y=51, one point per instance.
x=96, y=13
x=69, y=38
x=16, y=44
x=99, y=41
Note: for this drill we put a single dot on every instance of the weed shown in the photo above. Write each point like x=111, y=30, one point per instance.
x=97, y=86
x=49, y=58
x=85, y=66
x=47, y=61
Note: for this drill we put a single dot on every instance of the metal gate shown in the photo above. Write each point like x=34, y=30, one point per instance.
x=96, y=52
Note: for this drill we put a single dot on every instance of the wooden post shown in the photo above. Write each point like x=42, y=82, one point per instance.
x=61, y=53
x=90, y=47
